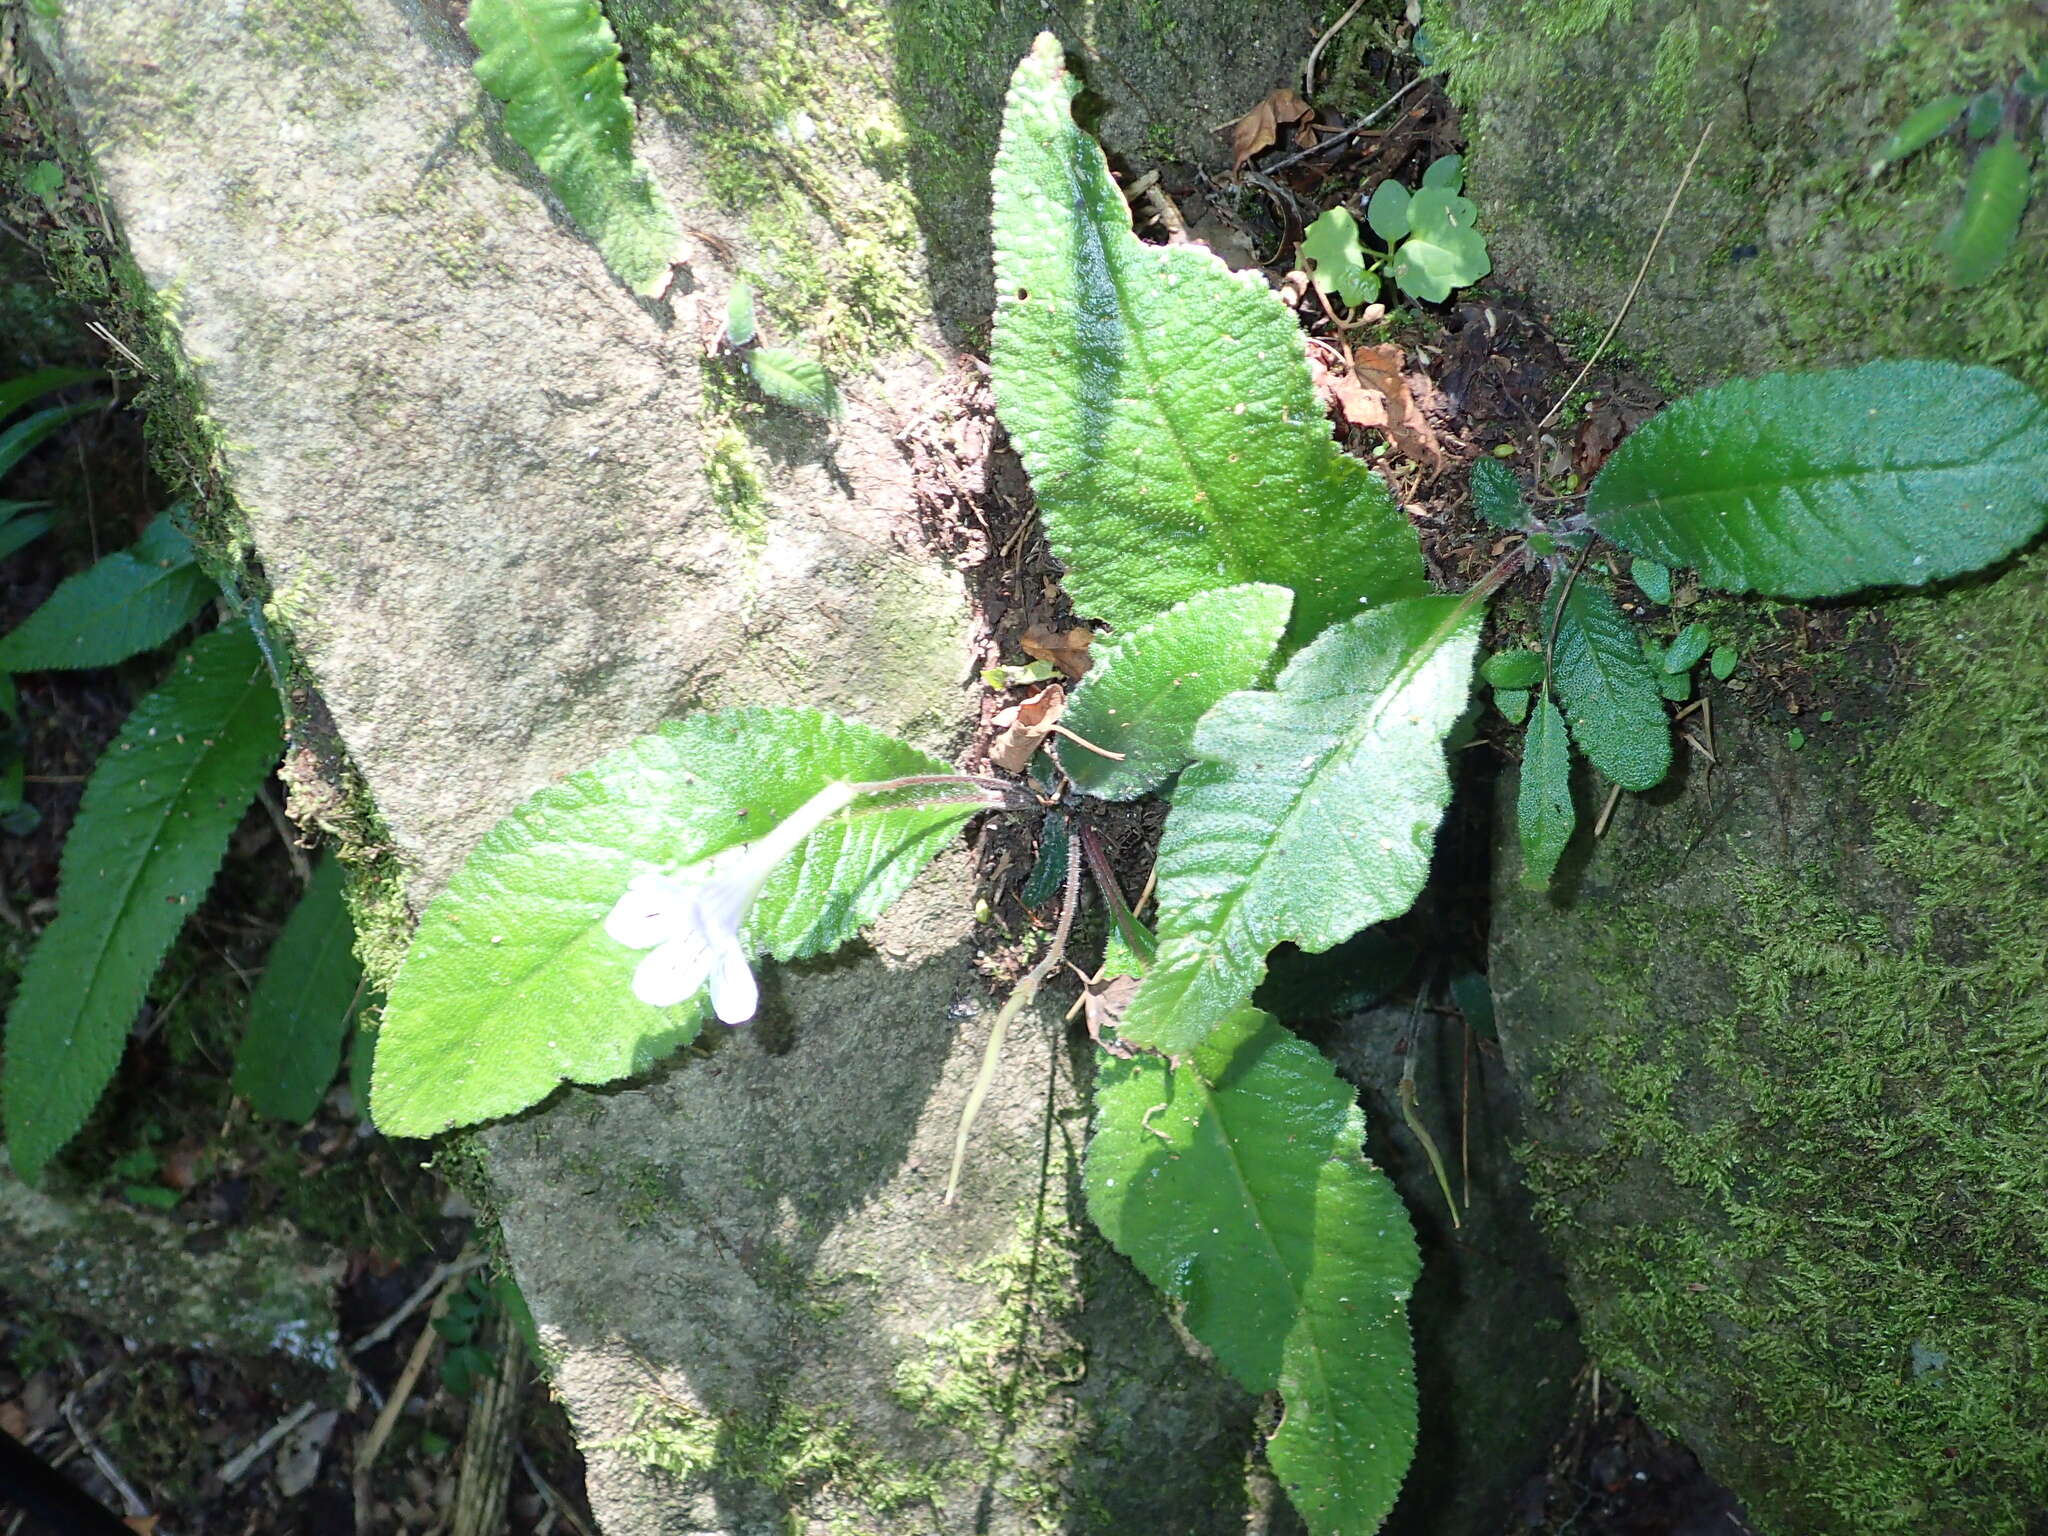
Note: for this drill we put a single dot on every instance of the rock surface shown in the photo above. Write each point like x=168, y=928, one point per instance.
x=505, y=516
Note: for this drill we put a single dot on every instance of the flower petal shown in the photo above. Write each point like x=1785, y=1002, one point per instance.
x=735, y=996
x=653, y=909
x=674, y=972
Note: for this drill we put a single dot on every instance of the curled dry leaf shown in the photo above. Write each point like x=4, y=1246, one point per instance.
x=1377, y=393
x=1024, y=727
x=1260, y=128
x=1103, y=1004
x=1066, y=649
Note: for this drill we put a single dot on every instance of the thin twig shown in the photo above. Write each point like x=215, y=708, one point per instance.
x=1358, y=127
x=1607, y=812
x=461, y=1264
x=991, y=1056
x=130, y=1499
x=1633, y=288
x=555, y=1502
x=373, y=1443
x=286, y=834
x=236, y=1467
x=1308, y=70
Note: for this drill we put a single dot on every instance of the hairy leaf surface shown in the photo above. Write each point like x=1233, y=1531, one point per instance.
x=1236, y=1184
x=127, y=603
x=1147, y=689
x=1544, y=816
x=511, y=986
x=1497, y=497
x=1311, y=813
x=150, y=833
x=1817, y=484
x=1162, y=403
x=555, y=66
x=1609, y=687
x=1981, y=235
x=299, y=1013
x=795, y=380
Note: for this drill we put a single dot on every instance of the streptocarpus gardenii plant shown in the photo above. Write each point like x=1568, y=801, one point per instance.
x=1278, y=668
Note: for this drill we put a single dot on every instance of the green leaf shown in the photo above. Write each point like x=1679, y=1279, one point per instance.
x=1513, y=703
x=555, y=66
x=18, y=439
x=122, y=605
x=1387, y=213
x=1652, y=579
x=299, y=1014
x=1443, y=250
x=155, y=820
x=1609, y=688
x=1497, y=497
x=795, y=380
x=1817, y=484
x=1162, y=403
x=1677, y=687
x=1986, y=108
x=1544, y=816
x=1147, y=689
x=17, y=392
x=1981, y=235
x=1049, y=875
x=1723, y=662
x=739, y=314
x=1312, y=813
x=1337, y=258
x=1446, y=172
x=511, y=986
x=1918, y=131
x=1688, y=648
x=18, y=529
x=1513, y=669
x=1236, y=1185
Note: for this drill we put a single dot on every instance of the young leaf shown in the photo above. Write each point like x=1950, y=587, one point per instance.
x=1443, y=251
x=1688, y=648
x=1816, y=484
x=1236, y=1184
x=1543, y=800
x=1513, y=669
x=1724, y=662
x=149, y=836
x=1311, y=814
x=1162, y=403
x=1387, y=213
x=1446, y=172
x=1609, y=688
x=795, y=380
x=1652, y=579
x=1497, y=498
x=511, y=986
x=1049, y=875
x=18, y=439
x=1986, y=110
x=1513, y=703
x=1918, y=131
x=1148, y=688
x=127, y=603
x=1980, y=236
x=739, y=314
x=1337, y=258
x=299, y=1014
x=555, y=66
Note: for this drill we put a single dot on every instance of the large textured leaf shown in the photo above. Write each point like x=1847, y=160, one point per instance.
x=1543, y=800
x=129, y=602
x=1311, y=814
x=1147, y=689
x=511, y=986
x=1609, y=687
x=1162, y=403
x=1817, y=484
x=1235, y=1182
x=299, y=1014
x=555, y=66
x=1981, y=235
x=149, y=836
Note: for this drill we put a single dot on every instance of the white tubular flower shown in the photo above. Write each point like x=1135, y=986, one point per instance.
x=691, y=920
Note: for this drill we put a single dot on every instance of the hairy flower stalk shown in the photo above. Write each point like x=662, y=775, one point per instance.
x=691, y=921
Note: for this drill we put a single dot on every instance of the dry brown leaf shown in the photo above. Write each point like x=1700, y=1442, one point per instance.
x=1379, y=394
x=1024, y=727
x=1066, y=649
x=13, y=1420
x=1599, y=433
x=1260, y=128
x=142, y=1525
x=1103, y=1005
